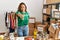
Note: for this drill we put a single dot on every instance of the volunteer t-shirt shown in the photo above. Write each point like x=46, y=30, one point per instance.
x=25, y=19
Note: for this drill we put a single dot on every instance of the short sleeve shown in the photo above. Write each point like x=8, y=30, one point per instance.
x=17, y=12
x=28, y=14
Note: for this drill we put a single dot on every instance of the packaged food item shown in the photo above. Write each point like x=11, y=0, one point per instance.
x=35, y=33
x=1, y=37
x=11, y=35
x=19, y=38
x=28, y=38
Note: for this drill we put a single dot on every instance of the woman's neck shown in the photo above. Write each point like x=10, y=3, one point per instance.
x=23, y=10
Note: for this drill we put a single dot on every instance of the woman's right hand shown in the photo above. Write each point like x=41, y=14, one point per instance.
x=21, y=16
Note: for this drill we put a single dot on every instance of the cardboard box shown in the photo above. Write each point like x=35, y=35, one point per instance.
x=31, y=31
x=48, y=1
x=51, y=29
x=52, y=1
x=32, y=20
x=44, y=17
x=31, y=25
x=53, y=6
x=51, y=32
x=48, y=10
x=57, y=36
x=37, y=23
x=40, y=28
x=31, y=28
x=51, y=39
x=56, y=1
x=51, y=35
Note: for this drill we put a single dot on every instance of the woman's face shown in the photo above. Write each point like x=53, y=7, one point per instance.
x=23, y=8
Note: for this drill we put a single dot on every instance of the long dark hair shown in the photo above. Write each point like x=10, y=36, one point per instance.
x=19, y=7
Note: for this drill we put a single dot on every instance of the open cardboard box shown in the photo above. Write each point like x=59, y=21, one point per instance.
x=51, y=32
x=40, y=28
x=55, y=34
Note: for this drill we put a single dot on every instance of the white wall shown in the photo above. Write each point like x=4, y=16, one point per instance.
x=34, y=9
x=44, y=1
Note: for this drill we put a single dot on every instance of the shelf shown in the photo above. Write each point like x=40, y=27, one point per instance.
x=56, y=18
x=46, y=14
x=52, y=4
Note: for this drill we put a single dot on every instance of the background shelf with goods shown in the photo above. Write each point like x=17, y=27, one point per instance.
x=49, y=9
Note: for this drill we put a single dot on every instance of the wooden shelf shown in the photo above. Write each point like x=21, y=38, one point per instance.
x=52, y=4
x=56, y=18
x=46, y=14
x=52, y=1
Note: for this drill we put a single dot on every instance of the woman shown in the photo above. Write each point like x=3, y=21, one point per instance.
x=23, y=19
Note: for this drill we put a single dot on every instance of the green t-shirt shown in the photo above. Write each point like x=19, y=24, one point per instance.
x=26, y=18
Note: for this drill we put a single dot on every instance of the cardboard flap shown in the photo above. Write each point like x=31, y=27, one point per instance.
x=51, y=29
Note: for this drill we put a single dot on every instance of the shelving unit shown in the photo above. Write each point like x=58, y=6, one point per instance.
x=48, y=9
x=52, y=4
x=46, y=14
x=52, y=1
